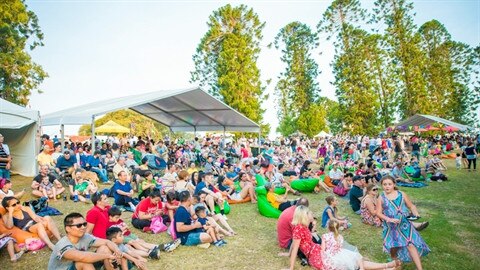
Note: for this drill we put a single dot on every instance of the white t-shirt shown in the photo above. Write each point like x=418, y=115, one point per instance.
x=8, y=194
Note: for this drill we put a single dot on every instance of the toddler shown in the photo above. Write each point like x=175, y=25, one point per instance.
x=211, y=230
x=458, y=161
x=47, y=188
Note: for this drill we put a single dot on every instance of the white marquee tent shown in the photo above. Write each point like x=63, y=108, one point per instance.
x=20, y=128
x=182, y=110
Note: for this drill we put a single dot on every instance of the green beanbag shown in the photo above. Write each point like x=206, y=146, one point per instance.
x=260, y=180
x=237, y=185
x=280, y=190
x=226, y=208
x=305, y=185
x=264, y=207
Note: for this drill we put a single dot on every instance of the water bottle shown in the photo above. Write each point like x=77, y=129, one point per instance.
x=64, y=198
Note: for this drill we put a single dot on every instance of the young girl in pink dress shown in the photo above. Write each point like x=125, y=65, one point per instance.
x=335, y=257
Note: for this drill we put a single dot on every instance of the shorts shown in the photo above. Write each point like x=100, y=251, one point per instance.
x=193, y=239
x=236, y=196
x=129, y=238
x=277, y=184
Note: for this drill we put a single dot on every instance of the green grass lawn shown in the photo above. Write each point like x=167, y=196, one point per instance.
x=452, y=208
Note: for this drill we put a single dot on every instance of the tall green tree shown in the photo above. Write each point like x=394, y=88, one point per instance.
x=406, y=54
x=297, y=90
x=19, y=34
x=465, y=97
x=380, y=70
x=449, y=71
x=435, y=42
x=225, y=60
x=354, y=85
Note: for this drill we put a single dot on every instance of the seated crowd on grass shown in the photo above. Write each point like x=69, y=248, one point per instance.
x=182, y=187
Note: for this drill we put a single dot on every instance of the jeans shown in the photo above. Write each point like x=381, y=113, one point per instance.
x=102, y=173
x=4, y=173
x=472, y=161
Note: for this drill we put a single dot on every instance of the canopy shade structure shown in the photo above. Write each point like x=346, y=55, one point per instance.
x=20, y=129
x=322, y=134
x=424, y=120
x=112, y=127
x=182, y=110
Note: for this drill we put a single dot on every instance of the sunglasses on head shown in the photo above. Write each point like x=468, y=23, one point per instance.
x=375, y=189
x=79, y=225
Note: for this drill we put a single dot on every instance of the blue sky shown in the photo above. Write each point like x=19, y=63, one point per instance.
x=96, y=50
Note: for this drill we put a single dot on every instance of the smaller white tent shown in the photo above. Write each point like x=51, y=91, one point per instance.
x=323, y=134
x=20, y=129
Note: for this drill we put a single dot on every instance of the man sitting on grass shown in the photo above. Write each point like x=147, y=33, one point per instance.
x=71, y=251
x=185, y=227
x=44, y=171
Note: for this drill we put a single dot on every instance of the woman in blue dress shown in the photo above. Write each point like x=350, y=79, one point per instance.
x=400, y=238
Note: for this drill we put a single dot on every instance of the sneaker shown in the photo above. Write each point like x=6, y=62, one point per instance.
x=87, y=196
x=154, y=254
x=147, y=230
x=219, y=243
x=171, y=246
x=223, y=241
x=75, y=198
x=204, y=245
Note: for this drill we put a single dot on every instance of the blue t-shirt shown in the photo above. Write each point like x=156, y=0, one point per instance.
x=201, y=186
x=118, y=186
x=231, y=175
x=63, y=163
x=94, y=162
x=325, y=216
x=182, y=215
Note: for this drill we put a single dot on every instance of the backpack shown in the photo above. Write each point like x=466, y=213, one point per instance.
x=37, y=205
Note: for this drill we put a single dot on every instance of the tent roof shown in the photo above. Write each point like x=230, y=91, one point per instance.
x=182, y=110
x=112, y=127
x=423, y=120
x=14, y=116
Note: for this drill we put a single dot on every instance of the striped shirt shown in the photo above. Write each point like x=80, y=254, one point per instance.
x=3, y=154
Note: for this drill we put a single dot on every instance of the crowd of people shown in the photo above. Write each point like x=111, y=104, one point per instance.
x=185, y=187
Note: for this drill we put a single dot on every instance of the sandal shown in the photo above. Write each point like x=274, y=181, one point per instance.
x=423, y=226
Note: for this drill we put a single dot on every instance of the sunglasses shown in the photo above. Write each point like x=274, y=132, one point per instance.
x=15, y=204
x=375, y=189
x=79, y=225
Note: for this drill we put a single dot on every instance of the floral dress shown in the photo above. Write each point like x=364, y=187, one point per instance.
x=312, y=251
x=403, y=234
x=336, y=257
x=367, y=217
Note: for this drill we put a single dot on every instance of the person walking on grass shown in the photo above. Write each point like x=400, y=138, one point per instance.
x=400, y=238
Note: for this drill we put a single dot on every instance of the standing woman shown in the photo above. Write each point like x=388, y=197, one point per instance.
x=302, y=239
x=471, y=154
x=400, y=238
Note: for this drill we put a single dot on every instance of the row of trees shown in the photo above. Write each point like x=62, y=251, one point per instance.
x=400, y=71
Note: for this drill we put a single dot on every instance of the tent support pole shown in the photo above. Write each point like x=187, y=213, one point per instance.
x=93, y=134
x=62, y=136
x=194, y=132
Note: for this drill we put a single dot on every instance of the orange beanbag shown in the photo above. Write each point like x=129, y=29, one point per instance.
x=17, y=234
x=328, y=181
x=247, y=199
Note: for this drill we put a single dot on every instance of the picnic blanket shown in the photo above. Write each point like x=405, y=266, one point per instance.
x=412, y=185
